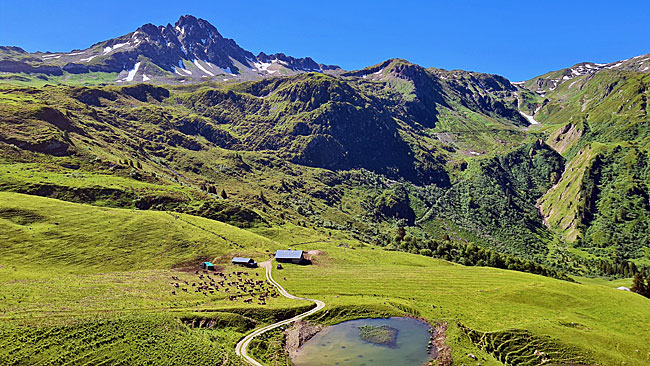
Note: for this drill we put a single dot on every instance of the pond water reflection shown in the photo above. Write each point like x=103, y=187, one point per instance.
x=342, y=344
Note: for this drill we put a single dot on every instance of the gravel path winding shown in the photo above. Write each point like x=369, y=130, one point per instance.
x=241, y=348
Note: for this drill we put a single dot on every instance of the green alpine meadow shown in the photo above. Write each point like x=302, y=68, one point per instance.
x=170, y=198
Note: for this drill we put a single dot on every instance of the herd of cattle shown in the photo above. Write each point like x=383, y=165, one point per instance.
x=233, y=286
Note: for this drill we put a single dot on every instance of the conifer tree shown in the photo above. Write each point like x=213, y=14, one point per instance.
x=224, y=195
x=638, y=285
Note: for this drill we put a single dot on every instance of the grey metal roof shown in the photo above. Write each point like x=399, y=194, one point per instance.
x=288, y=254
x=241, y=260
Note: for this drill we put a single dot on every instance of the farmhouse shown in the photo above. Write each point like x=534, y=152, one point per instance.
x=290, y=256
x=248, y=262
x=207, y=265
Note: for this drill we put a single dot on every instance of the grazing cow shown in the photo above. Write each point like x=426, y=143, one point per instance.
x=184, y=289
x=173, y=292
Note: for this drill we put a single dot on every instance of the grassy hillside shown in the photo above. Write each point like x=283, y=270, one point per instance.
x=587, y=323
x=40, y=232
x=83, y=286
x=92, y=285
x=259, y=143
x=598, y=121
x=302, y=150
x=110, y=196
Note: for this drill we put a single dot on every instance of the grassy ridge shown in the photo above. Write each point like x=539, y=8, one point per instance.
x=41, y=232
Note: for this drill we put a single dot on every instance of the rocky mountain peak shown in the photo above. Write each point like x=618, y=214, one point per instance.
x=189, y=27
x=191, y=49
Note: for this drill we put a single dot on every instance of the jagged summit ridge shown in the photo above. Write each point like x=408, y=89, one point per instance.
x=190, y=50
x=550, y=81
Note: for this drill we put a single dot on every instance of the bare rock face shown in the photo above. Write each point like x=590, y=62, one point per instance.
x=299, y=334
x=19, y=66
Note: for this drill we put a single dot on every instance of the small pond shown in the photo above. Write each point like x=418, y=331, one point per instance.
x=383, y=342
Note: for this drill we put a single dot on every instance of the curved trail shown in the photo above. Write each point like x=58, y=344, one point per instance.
x=241, y=348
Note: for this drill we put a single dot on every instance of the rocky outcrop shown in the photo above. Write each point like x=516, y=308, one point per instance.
x=395, y=203
x=19, y=66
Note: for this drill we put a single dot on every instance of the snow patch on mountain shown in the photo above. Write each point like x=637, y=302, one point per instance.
x=529, y=118
x=88, y=59
x=132, y=73
x=114, y=47
x=264, y=66
x=196, y=62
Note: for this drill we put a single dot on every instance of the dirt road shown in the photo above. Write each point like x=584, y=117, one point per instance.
x=241, y=348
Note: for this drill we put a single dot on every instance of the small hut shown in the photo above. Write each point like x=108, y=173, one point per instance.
x=207, y=265
x=247, y=262
x=290, y=256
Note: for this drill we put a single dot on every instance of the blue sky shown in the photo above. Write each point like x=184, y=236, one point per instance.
x=516, y=39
